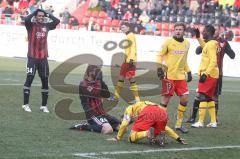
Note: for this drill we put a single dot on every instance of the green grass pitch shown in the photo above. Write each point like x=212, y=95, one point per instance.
x=46, y=136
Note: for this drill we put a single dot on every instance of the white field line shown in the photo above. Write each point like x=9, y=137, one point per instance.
x=141, y=87
x=97, y=155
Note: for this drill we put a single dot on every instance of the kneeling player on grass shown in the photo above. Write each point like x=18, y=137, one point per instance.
x=150, y=121
x=91, y=90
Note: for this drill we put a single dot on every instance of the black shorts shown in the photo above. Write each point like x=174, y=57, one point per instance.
x=40, y=65
x=218, y=90
x=102, y=119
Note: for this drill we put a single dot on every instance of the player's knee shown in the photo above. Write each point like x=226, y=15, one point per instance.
x=184, y=99
x=29, y=81
x=44, y=83
x=204, y=98
x=107, y=129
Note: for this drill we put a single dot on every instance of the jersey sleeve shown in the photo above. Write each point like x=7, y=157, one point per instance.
x=201, y=42
x=53, y=24
x=229, y=51
x=162, y=52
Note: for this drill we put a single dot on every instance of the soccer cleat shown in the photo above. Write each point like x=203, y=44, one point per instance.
x=26, y=108
x=181, y=141
x=44, y=109
x=161, y=141
x=190, y=120
x=78, y=126
x=212, y=125
x=182, y=129
x=197, y=125
x=150, y=136
x=113, y=99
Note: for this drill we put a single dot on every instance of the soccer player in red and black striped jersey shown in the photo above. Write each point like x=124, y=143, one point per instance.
x=38, y=24
x=223, y=47
x=92, y=90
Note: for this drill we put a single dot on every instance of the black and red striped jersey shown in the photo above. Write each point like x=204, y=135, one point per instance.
x=91, y=94
x=37, y=36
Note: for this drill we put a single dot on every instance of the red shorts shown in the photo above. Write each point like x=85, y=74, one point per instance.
x=151, y=116
x=180, y=87
x=127, y=70
x=208, y=87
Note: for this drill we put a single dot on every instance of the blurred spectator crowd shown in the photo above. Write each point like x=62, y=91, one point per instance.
x=146, y=16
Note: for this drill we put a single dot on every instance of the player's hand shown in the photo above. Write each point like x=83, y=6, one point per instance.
x=189, y=76
x=182, y=141
x=202, y=78
x=160, y=73
x=196, y=32
x=131, y=62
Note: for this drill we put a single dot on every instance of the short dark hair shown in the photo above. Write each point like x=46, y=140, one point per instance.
x=126, y=24
x=180, y=24
x=210, y=28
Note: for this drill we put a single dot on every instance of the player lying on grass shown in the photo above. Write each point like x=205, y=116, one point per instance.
x=150, y=120
x=91, y=90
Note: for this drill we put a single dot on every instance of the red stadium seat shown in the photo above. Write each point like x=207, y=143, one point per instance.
x=115, y=23
x=87, y=13
x=106, y=29
x=165, y=33
x=107, y=22
x=94, y=14
x=159, y=26
x=85, y=20
x=165, y=26
x=171, y=27
x=2, y=16
x=102, y=14
x=100, y=21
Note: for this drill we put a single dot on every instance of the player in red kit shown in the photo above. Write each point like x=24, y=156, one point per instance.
x=38, y=24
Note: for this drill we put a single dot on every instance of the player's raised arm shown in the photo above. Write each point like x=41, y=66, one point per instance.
x=28, y=20
x=54, y=23
x=229, y=51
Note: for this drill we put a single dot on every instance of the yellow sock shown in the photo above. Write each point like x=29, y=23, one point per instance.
x=170, y=132
x=202, y=111
x=181, y=110
x=135, y=136
x=118, y=89
x=134, y=89
x=212, y=111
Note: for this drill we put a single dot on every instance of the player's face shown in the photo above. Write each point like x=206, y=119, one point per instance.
x=205, y=34
x=179, y=31
x=40, y=17
x=124, y=28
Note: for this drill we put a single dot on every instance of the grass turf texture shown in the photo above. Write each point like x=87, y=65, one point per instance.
x=46, y=136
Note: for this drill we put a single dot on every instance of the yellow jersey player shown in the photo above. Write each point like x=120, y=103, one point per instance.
x=150, y=120
x=128, y=67
x=174, y=54
x=208, y=73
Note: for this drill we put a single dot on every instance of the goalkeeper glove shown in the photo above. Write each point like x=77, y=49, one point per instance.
x=203, y=78
x=189, y=76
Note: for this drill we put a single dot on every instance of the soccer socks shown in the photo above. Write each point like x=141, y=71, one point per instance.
x=170, y=132
x=195, y=108
x=118, y=89
x=134, y=89
x=135, y=136
x=180, y=115
x=202, y=111
x=44, y=97
x=212, y=111
x=26, y=94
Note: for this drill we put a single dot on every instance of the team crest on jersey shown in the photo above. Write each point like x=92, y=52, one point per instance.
x=44, y=29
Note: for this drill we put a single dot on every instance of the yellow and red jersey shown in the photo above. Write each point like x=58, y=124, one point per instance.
x=174, y=55
x=131, y=48
x=208, y=63
x=130, y=113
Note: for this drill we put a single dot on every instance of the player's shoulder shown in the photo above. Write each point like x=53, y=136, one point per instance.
x=212, y=43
